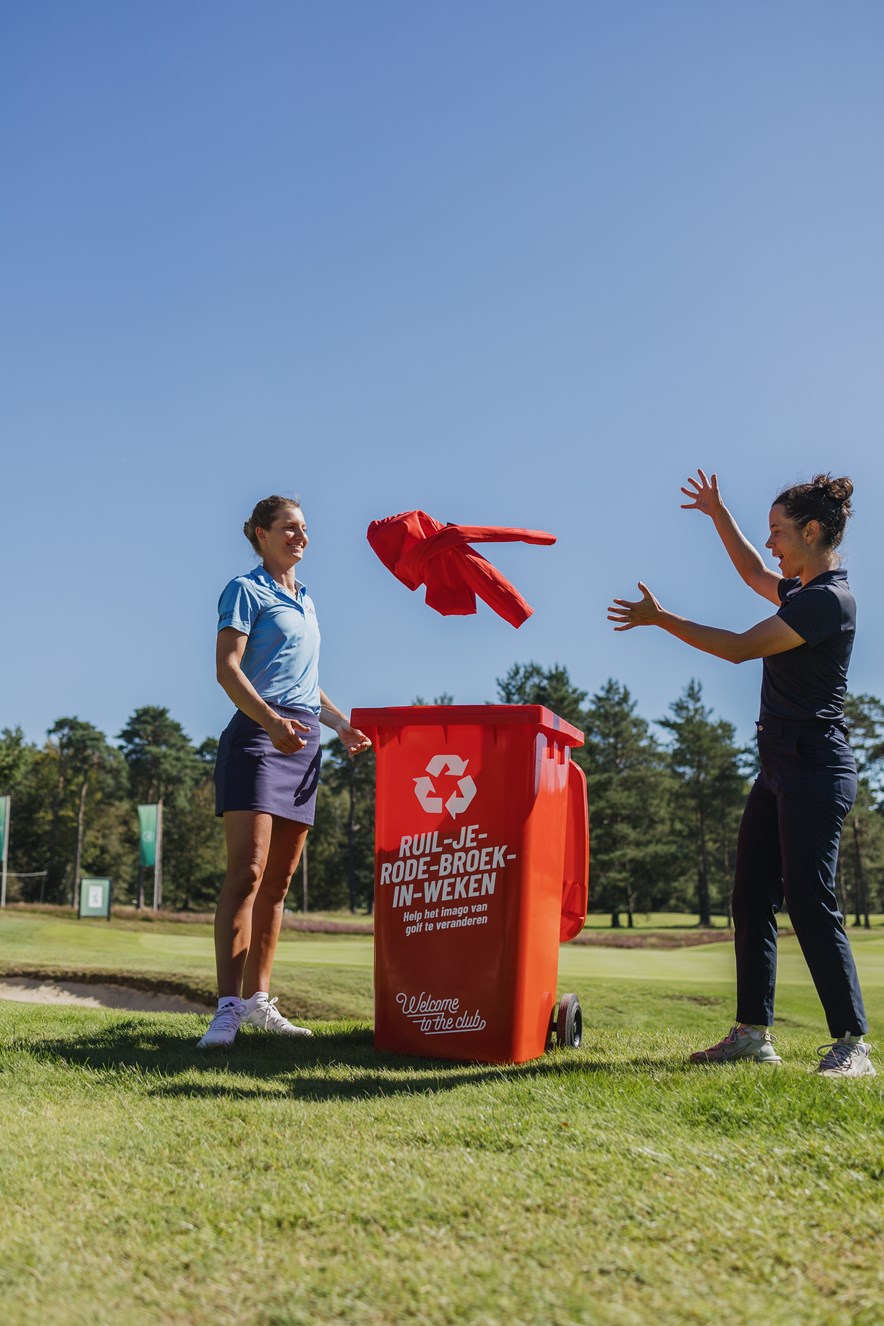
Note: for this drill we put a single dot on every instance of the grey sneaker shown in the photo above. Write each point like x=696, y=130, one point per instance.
x=740, y=1043
x=268, y=1017
x=844, y=1058
x=224, y=1025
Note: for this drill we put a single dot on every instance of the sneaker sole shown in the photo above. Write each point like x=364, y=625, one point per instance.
x=740, y=1059
x=830, y=1072
x=268, y=1031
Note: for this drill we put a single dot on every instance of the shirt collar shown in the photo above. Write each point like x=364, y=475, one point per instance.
x=836, y=573
x=263, y=576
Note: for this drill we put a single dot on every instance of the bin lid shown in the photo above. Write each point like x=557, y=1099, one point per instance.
x=468, y=715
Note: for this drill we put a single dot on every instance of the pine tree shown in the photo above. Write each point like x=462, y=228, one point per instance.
x=709, y=792
x=353, y=783
x=163, y=763
x=82, y=754
x=529, y=683
x=862, y=842
x=627, y=789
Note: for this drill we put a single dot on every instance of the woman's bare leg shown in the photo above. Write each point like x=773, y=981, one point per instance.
x=248, y=835
x=286, y=844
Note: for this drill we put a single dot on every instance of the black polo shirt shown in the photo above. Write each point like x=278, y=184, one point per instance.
x=811, y=681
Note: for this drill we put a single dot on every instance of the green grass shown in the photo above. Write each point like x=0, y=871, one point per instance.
x=651, y=920
x=180, y=958
x=320, y=1182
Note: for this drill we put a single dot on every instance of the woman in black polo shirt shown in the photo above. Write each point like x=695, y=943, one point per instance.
x=787, y=850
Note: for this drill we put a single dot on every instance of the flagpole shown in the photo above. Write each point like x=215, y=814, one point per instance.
x=6, y=818
x=158, y=860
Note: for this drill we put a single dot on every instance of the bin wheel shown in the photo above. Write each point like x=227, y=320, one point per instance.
x=569, y=1023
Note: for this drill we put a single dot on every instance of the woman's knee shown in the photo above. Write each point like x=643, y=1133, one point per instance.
x=273, y=888
x=243, y=879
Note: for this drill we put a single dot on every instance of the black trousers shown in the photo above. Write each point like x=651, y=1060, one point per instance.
x=787, y=852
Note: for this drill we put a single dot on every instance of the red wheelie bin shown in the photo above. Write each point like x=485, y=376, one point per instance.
x=481, y=870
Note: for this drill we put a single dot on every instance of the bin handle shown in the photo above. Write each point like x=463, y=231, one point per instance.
x=575, y=876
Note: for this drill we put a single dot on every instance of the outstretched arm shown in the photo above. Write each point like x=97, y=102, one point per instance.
x=355, y=742
x=772, y=636
x=748, y=561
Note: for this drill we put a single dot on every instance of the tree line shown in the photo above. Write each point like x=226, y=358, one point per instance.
x=665, y=801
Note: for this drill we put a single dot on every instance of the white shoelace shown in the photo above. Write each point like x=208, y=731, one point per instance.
x=269, y=1014
x=266, y=1016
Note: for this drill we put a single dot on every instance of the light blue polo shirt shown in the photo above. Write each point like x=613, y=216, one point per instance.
x=281, y=657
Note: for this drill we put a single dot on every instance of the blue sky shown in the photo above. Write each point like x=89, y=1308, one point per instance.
x=513, y=263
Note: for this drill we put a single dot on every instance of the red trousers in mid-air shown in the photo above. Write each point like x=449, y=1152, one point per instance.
x=421, y=551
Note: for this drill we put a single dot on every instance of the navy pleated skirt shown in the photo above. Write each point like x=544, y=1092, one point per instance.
x=250, y=774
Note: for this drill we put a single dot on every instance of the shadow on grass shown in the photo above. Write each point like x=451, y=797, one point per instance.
x=337, y=1065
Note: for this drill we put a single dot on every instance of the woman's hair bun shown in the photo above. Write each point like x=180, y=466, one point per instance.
x=839, y=490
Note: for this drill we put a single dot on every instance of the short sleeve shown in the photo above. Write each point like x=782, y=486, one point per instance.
x=814, y=613
x=785, y=587
x=238, y=606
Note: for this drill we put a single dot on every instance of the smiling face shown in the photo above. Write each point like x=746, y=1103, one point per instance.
x=283, y=544
x=790, y=543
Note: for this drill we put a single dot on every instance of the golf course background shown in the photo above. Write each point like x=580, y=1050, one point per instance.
x=317, y=1181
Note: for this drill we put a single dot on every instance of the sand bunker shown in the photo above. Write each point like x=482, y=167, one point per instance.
x=83, y=995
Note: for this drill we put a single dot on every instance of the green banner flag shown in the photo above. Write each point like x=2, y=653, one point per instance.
x=147, y=826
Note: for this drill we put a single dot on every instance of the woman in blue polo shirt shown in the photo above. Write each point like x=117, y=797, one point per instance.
x=267, y=770
x=787, y=850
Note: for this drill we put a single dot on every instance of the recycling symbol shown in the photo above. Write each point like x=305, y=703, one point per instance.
x=460, y=798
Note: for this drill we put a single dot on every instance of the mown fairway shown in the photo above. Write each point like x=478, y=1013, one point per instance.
x=316, y=1181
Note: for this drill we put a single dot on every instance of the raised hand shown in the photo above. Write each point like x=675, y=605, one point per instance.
x=704, y=495
x=645, y=611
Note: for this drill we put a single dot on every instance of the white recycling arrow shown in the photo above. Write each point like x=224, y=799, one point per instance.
x=455, y=805
x=424, y=791
x=453, y=764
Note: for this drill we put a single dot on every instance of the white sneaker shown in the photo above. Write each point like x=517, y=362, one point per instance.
x=845, y=1058
x=267, y=1017
x=224, y=1025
